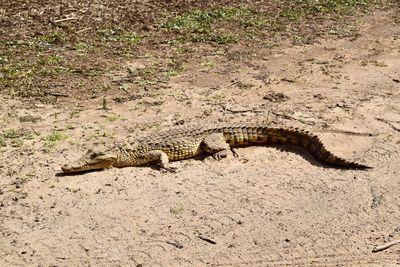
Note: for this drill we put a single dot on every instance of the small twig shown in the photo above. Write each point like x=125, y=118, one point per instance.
x=345, y=132
x=244, y=110
x=175, y=244
x=385, y=246
x=231, y=84
x=65, y=19
x=56, y=94
x=390, y=123
x=207, y=240
x=83, y=30
x=224, y=113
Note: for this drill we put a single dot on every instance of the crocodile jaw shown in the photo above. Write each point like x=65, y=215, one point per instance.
x=91, y=161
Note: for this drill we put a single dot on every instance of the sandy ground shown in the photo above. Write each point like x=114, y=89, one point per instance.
x=272, y=207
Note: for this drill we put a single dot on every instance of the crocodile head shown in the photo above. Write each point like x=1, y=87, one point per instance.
x=91, y=161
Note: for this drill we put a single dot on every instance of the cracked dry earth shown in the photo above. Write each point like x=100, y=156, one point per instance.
x=271, y=207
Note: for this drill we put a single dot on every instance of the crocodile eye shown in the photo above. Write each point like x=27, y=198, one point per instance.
x=95, y=155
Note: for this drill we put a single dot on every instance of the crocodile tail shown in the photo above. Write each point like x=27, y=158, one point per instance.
x=312, y=144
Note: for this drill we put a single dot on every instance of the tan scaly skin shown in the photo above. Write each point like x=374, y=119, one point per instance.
x=186, y=143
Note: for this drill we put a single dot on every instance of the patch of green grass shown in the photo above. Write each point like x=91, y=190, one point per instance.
x=19, y=71
x=55, y=37
x=37, y=44
x=2, y=141
x=225, y=25
x=149, y=76
x=50, y=60
x=172, y=72
x=49, y=65
x=223, y=37
x=8, y=70
x=83, y=48
x=47, y=41
x=342, y=31
x=201, y=20
x=218, y=37
x=333, y=6
x=119, y=35
x=148, y=71
x=17, y=133
x=88, y=72
x=22, y=61
x=55, y=137
x=17, y=142
x=202, y=25
x=176, y=210
x=75, y=114
x=207, y=64
x=15, y=137
x=175, y=69
x=219, y=52
x=10, y=133
x=113, y=117
x=130, y=38
x=301, y=9
x=147, y=82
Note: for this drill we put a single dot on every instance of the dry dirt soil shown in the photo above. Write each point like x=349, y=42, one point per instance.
x=272, y=207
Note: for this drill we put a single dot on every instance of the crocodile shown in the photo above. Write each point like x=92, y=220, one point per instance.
x=178, y=144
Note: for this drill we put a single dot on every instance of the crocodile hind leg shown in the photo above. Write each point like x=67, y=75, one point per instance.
x=216, y=144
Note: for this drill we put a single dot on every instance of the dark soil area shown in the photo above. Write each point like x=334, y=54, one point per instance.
x=62, y=49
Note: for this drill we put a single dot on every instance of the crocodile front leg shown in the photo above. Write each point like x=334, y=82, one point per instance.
x=160, y=157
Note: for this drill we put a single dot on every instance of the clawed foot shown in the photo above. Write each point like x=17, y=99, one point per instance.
x=220, y=155
x=170, y=169
x=235, y=153
x=224, y=153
